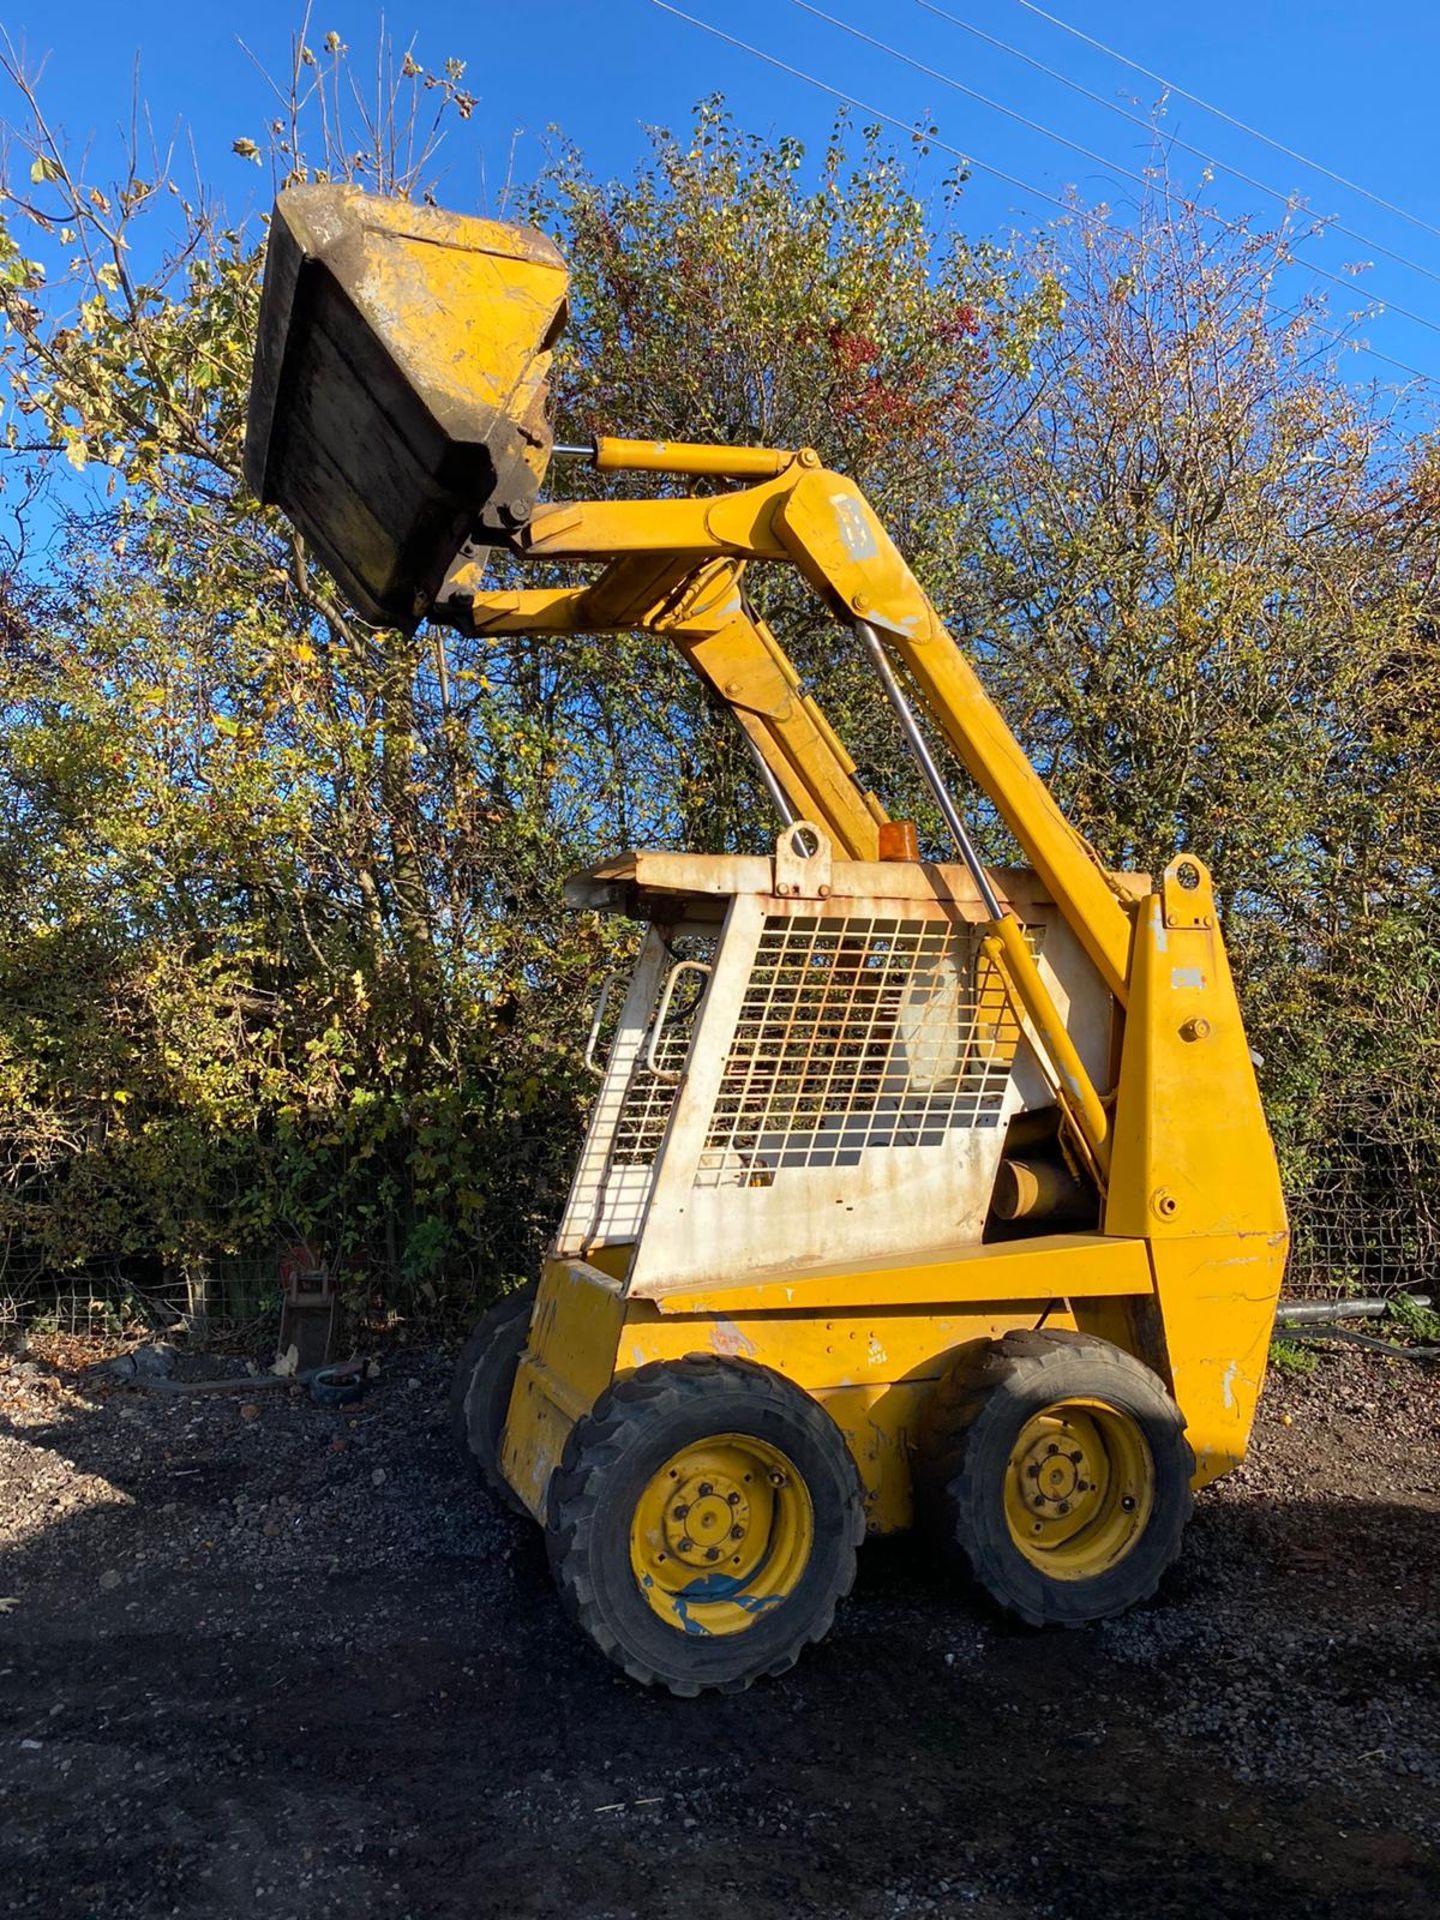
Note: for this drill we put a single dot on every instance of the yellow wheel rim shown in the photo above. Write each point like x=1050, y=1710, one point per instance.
x=722, y=1533
x=1079, y=1488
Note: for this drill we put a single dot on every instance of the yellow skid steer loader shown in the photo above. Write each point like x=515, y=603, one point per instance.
x=912, y=1191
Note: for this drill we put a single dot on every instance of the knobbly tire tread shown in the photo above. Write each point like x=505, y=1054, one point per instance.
x=659, y=1408
x=981, y=1402
x=486, y=1367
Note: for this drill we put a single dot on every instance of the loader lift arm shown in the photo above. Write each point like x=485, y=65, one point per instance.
x=676, y=567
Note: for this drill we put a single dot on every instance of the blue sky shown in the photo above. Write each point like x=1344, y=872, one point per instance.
x=1350, y=86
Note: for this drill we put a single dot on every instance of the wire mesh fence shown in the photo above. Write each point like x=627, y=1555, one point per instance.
x=228, y=1299
x=1367, y=1224
x=1348, y=1240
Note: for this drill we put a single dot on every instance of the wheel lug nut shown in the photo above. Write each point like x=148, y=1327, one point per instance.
x=1033, y=1471
x=1052, y=1448
x=679, y=1513
x=1076, y=1458
x=737, y=1533
x=687, y=1546
x=705, y=1489
x=777, y=1479
x=1039, y=1499
x=1064, y=1506
x=712, y=1553
x=732, y=1499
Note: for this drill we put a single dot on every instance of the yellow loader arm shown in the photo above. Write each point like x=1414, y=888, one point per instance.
x=821, y=523
x=676, y=567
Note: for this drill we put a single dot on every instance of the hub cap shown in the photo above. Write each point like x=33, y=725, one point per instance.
x=1079, y=1488
x=722, y=1533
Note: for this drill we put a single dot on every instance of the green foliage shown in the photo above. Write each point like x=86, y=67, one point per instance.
x=1293, y=1358
x=1422, y=1324
x=287, y=958
x=1205, y=597
x=285, y=953
x=735, y=291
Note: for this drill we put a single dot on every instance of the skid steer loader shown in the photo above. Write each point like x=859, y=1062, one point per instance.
x=912, y=1191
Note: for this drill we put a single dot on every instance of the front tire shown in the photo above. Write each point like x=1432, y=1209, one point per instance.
x=1057, y=1464
x=703, y=1524
x=480, y=1391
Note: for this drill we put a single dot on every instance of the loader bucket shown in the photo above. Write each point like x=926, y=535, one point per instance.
x=397, y=406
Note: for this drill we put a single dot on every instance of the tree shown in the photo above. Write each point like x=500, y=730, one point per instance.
x=287, y=953
x=1201, y=591
x=288, y=885
x=732, y=292
x=305, y=876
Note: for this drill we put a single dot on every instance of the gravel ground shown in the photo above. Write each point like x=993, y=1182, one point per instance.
x=260, y=1656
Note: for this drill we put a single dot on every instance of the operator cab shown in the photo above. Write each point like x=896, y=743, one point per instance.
x=803, y=1038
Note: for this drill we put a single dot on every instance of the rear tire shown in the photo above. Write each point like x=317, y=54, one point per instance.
x=703, y=1524
x=480, y=1391
x=1057, y=1464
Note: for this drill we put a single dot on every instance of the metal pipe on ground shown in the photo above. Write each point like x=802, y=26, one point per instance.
x=1302, y=1313
x=1315, y=1320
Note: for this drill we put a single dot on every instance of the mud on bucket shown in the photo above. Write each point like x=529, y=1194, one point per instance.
x=397, y=406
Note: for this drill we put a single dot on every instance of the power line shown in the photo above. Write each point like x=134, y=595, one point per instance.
x=968, y=160
x=1099, y=159
x=1351, y=186
x=1171, y=139
x=905, y=126
x=959, y=86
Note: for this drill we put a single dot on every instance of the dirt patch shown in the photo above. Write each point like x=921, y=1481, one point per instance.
x=261, y=1656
